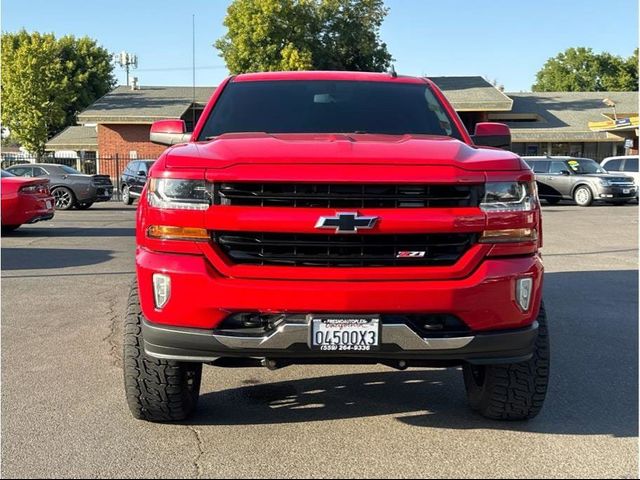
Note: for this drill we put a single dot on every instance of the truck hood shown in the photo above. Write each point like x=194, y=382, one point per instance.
x=262, y=148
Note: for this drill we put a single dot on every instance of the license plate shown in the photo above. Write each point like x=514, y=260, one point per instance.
x=626, y=191
x=345, y=333
x=49, y=204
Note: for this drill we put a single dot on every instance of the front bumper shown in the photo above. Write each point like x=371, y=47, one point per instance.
x=290, y=342
x=617, y=193
x=201, y=298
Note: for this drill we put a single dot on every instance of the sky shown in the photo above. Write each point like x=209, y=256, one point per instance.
x=501, y=40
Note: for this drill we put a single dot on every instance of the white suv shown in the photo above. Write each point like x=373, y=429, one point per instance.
x=627, y=164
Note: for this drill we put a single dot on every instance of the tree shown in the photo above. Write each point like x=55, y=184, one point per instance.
x=631, y=70
x=272, y=35
x=46, y=81
x=582, y=70
x=89, y=69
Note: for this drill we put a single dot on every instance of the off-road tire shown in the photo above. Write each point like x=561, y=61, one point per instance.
x=156, y=390
x=514, y=391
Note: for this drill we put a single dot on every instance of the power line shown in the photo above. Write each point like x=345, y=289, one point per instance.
x=176, y=69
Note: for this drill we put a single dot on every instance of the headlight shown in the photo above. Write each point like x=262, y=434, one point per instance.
x=604, y=182
x=509, y=197
x=178, y=194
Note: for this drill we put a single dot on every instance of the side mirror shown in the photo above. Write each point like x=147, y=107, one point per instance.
x=142, y=173
x=565, y=172
x=169, y=132
x=490, y=134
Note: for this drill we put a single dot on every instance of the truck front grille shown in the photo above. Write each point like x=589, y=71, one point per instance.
x=324, y=195
x=312, y=250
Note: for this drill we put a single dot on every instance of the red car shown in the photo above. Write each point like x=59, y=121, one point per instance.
x=336, y=217
x=25, y=200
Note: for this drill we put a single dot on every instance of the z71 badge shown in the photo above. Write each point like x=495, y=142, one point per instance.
x=407, y=254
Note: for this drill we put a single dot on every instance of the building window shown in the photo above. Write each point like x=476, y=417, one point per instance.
x=532, y=149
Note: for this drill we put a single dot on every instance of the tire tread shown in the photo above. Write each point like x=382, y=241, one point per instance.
x=514, y=391
x=156, y=390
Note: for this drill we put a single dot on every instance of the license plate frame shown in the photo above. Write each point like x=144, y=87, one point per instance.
x=344, y=333
x=49, y=204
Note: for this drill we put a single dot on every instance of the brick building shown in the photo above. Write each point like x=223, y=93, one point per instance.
x=116, y=127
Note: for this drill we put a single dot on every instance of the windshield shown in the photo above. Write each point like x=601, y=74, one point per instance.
x=70, y=170
x=322, y=106
x=6, y=174
x=585, y=166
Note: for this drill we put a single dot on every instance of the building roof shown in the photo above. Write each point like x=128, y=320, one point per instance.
x=533, y=117
x=564, y=116
x=74, y=138
x=147, y=104
x=472, y=94
x=144, y=105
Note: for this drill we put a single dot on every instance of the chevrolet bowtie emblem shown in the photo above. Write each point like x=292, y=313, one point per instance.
x=347, y=222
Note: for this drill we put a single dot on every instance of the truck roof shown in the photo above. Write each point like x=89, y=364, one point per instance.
x=326, y=75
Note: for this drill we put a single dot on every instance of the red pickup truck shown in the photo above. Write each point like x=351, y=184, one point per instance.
x=336, y=217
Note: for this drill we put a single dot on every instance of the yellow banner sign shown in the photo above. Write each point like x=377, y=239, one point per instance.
x=619, y=124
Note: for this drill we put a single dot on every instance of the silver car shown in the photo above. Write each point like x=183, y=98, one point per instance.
x=580, y=179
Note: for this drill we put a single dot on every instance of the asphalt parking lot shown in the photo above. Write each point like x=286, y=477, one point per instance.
x=64, y=286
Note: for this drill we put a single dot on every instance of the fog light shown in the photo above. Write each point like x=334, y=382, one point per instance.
x=524, y=287
x=161, y=289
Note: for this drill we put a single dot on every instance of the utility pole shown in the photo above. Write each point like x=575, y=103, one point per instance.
x=193, y=105
x=126, y=61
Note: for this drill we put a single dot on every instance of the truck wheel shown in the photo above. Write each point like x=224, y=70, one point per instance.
x=513, y=391
x=156, y=390
x=583, y=196
x=126, y=196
